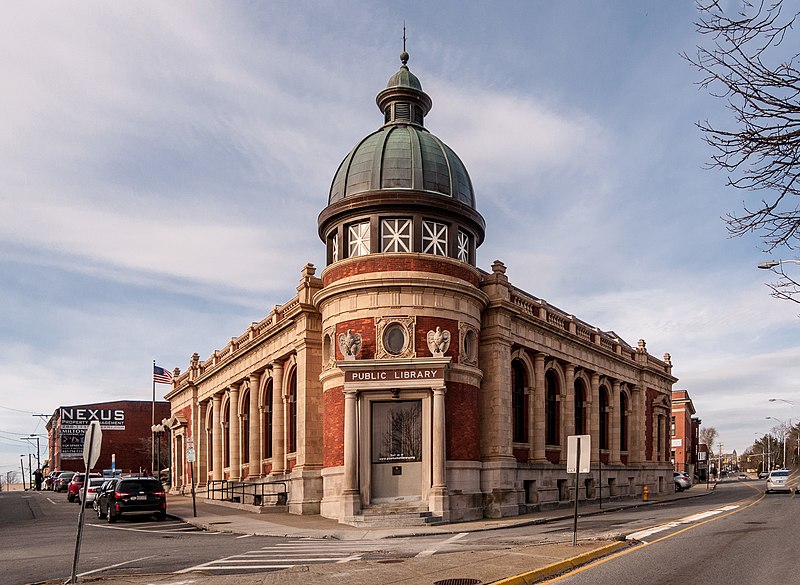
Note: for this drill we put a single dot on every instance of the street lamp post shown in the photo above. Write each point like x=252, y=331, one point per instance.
x=783, y=435
x=775, y=263
x=797, y=434
x=158, y=430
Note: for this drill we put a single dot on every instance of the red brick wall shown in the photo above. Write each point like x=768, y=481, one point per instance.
x=131, y=446
x=552, y=455
x=521, y=455
x=366, y=327
x=333, y=427
x=377, y=263
x=462, y=422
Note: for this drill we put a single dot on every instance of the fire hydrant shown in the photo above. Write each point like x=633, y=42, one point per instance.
x=645, y=494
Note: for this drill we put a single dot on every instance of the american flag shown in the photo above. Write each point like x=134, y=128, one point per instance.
x=161, y=376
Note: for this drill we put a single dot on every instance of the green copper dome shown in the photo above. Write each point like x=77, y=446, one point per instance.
x=403, y=154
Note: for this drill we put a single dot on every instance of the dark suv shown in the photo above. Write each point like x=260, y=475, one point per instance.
x=132, y=495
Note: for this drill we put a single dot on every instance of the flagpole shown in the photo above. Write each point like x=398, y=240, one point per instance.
x=153, y=418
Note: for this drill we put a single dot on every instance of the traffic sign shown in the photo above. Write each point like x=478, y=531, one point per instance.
x=92, y=441
x=190, y=455
x=583, y=466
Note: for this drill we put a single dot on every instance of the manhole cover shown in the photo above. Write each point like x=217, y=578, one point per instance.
x=458, y=581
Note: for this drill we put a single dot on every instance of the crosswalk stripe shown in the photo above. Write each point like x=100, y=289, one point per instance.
x=289, y=554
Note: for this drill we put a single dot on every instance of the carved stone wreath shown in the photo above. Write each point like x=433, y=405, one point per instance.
x=468, y=337
x=395, y=337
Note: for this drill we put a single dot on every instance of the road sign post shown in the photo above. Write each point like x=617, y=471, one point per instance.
x=190, y=458
x=579, y=451
x=92, y=441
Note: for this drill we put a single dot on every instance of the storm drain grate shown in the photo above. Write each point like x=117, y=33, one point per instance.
x=458, y=581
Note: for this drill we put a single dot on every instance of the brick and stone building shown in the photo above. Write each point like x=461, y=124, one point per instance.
x=685, y=433
x=404, y=376
x=127, y=435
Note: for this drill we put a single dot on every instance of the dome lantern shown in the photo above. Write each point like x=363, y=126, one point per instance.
x=403, y=101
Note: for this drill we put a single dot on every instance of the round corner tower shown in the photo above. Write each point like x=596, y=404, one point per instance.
x=401, y=316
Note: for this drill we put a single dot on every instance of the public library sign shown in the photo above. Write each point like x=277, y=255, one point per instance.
x=394, y=374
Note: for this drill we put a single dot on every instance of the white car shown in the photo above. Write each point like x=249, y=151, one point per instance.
x=778, y=481
x=91, y=489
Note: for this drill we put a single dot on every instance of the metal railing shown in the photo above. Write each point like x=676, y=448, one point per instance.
x=257, y=493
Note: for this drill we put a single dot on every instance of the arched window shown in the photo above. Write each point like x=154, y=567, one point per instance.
x=551, y=408
x=580, y=407
x=623, y=421
x=268, y=420
x=518, y=401
x=603, y=417
x=226, y=437
x=292, y=447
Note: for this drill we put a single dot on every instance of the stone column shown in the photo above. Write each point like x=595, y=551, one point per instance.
x=568, y=419
x=278, y=452
x=616, y=420
x=255, y=427
x=637, y=434
x=594, y=416
x=235, y=434
x=216, y=437
x=540, y=391
x=202, y=446
x=439, y=501
x=351, y=501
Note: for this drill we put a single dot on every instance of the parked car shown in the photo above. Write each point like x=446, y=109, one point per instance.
x=50, y=479
x=91, y=490
x=74, y=487
x=778, y=481
x=61, y=483
x=132, y=495
x=681, y=480
x=106, y=485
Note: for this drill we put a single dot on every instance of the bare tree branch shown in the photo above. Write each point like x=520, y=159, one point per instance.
x=761, y=151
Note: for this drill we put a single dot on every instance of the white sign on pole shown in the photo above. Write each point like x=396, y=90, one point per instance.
x=190, y=455
x=583, y=466
x=92, y=441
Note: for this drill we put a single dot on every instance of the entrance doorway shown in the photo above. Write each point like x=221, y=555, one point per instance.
x=396, y=459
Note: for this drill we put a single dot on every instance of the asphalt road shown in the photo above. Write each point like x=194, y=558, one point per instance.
x=37, y=540
x=750, y=540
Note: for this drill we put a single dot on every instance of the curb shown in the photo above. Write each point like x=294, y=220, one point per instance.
x=561, y=566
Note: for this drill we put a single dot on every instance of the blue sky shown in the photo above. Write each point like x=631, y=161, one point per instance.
x=164, y=165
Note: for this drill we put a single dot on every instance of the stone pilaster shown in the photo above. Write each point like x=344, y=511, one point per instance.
x=594, y=416
x=539, y=395
x=568, y=419
x=616, y=421
x=234, y=448
x=255, y=428
x=216, y=436
x=278, y=413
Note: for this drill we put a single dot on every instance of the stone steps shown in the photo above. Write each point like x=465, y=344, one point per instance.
x=395, y=515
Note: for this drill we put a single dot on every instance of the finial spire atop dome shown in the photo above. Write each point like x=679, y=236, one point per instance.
x=404, y=54
x=403, y=101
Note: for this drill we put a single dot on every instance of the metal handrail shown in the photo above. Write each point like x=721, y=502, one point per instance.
x=254, y=492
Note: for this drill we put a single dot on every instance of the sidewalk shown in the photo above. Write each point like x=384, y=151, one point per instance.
x=515, y=565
